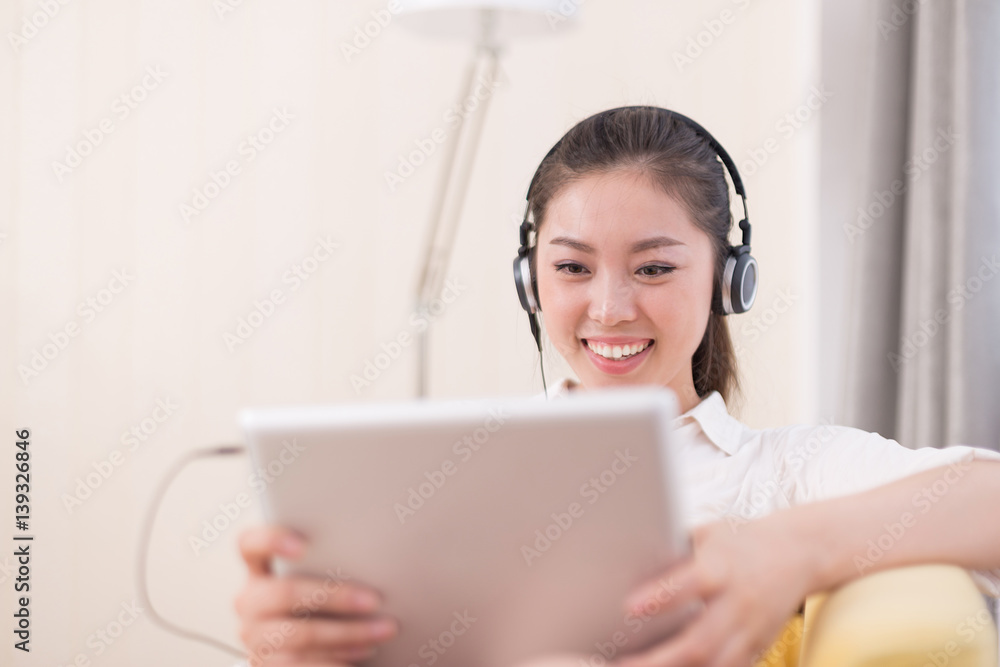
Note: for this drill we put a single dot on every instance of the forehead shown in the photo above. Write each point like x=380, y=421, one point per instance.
x=617, y=205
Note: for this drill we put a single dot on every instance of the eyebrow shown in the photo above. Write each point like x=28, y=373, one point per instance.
x=647, y=244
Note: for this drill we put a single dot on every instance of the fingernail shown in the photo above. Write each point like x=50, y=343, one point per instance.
x=382, y=628
x=635, y=601
x=367, y=600
x=291, y=545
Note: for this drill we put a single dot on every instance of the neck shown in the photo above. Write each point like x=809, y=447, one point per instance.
x=687, y=397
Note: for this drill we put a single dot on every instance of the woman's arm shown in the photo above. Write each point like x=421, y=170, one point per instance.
x=942, y=515
x=753, y=577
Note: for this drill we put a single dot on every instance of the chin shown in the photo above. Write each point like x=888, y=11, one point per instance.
x=594, y=378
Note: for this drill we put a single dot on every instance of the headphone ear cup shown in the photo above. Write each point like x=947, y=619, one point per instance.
x=739, y=282
x=534, y=281
x=524, y=282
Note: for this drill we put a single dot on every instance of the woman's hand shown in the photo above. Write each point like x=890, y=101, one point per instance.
x=751, y=577
x=303, y=621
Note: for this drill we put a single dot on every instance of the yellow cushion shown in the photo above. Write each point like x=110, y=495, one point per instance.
x=920, y=616
x=784, y=651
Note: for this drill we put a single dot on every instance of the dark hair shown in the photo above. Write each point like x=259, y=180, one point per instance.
x=676, y=158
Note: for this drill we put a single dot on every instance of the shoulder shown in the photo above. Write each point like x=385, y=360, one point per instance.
x=829, y=460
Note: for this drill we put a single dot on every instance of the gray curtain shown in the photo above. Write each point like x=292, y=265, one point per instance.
x=923, y=311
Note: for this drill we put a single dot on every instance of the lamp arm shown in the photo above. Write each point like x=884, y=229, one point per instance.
x=444, y=225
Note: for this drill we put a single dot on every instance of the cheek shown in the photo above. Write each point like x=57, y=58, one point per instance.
x=553, y=302
x=701, y=284
x=560, y=307
x=682, y=312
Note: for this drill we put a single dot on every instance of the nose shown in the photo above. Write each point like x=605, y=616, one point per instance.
x=612, y=300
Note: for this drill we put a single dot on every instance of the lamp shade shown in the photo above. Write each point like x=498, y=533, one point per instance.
x=463, y=18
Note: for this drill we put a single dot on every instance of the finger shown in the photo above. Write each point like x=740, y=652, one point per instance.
x=699, y=643
x=303, y=597
x=679, y=587
x=290, y=660
x=555, y=660
x=735, y=654
x=319, y=634
x=346, y=655
x=755, y=641
x=259, y=544
x=326, y=658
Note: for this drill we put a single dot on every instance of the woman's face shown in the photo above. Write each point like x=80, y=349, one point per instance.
x=624, y=282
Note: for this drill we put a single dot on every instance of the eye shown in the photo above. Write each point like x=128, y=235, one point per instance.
x=654, y=270
x=571, y=268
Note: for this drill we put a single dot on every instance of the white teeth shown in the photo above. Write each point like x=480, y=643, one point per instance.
x=616, y=351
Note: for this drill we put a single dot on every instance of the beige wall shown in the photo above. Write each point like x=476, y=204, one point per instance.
x=161, y=337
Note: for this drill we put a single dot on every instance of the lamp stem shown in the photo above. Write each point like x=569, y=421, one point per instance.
x=444, y=225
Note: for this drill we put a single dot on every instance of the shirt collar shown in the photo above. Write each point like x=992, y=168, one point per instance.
x=710, y=414
x=715, y=421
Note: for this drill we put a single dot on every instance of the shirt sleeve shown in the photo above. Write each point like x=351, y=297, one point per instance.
x=818, y=463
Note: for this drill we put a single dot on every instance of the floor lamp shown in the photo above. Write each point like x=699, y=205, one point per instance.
x=491, y=23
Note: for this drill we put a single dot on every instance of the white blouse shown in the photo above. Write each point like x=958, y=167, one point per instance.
x=736, y=473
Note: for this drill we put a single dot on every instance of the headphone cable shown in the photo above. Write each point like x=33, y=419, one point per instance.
x=144, y=541
x=541, y=363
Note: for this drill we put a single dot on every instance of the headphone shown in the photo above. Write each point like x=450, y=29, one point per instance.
x=739, y=276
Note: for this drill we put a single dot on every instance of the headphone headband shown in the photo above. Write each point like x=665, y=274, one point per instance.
x=727, y=161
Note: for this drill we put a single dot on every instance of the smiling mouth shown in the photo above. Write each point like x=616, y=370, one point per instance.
x=617, y=352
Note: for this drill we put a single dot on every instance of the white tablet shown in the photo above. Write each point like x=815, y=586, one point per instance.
x=497, y=530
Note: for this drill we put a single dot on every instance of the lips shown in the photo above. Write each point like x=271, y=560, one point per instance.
x=617, y=340
x=619, y=366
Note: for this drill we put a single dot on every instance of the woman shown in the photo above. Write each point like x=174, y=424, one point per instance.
x=632, y=219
